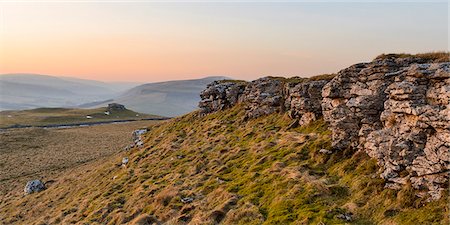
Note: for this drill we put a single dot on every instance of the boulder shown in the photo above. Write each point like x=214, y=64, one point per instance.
x=34, y=186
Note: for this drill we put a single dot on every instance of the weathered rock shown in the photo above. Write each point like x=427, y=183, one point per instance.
x=137, y=137
x=303, y=100
x=395, y=108
x=354, y=100
x=414, y=142
x=345, y=216
x=124, y=161
x=187, y=200
x=220, y=95
x=263, y=97
x=34, y=186
x=325, y=151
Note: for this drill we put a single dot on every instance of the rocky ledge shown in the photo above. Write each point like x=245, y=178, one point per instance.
x=395, y=108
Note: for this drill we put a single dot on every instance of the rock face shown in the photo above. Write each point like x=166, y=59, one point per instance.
x=220, y=95
x=354, y=99
x=395, y=108
x=34, y=186
x=304, y=100
x=414, y=142
x=263, y=97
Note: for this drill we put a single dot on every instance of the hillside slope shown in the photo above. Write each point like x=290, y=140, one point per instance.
x=368, y=145
x=170, y=98
x=221, y=169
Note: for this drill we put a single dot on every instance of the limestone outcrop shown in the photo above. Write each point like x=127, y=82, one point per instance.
x=263, y=97
x=220, y=95
x=414, y=142
x=304, y=99
x=395, y=108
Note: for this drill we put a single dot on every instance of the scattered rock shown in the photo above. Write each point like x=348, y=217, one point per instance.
x=34, y=186
x=345, y=216
x=137, y=137
x=124, y=161
x=325, y=151
x=187, y=200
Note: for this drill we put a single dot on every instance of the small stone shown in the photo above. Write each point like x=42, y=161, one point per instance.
x=34, y=186
x=325, y=151
x=187, y=200
x=345, y=216
x=124, y=160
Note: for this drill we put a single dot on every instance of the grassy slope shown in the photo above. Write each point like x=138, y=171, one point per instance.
x=237, y=172
x=48, y=116
x=33, y=153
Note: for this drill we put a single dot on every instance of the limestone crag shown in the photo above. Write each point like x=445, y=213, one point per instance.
x=354, y=99
x=395, y=108
x=262, y=97
x=413, y=144
x=303, y=100
x=220, y=95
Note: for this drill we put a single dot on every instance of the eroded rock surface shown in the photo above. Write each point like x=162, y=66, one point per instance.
x=303, y=100
x=414, y=142
x=397, y=109
x=263, y=97
x=34, y=186
x=220, y=95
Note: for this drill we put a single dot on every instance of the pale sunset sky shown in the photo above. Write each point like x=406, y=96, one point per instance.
x=149, y=41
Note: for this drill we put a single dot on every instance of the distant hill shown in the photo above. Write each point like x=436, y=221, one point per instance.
x=68, y=116
x=26, y=91
x=171, y=98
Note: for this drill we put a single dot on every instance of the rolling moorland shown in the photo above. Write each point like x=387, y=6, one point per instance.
x=27, y=91
x=68, y=116
x=170, y=98
x=368, y=145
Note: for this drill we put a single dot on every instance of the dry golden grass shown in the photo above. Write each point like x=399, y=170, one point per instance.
x=429, y=56
x=51, y=116
x=254, y=172
x=37, y=153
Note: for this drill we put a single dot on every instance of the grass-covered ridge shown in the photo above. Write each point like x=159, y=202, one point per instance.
x=254, y=172
x=431, y=56
x=52, y=116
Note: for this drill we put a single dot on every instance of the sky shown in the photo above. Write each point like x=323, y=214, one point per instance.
x=148, y=41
